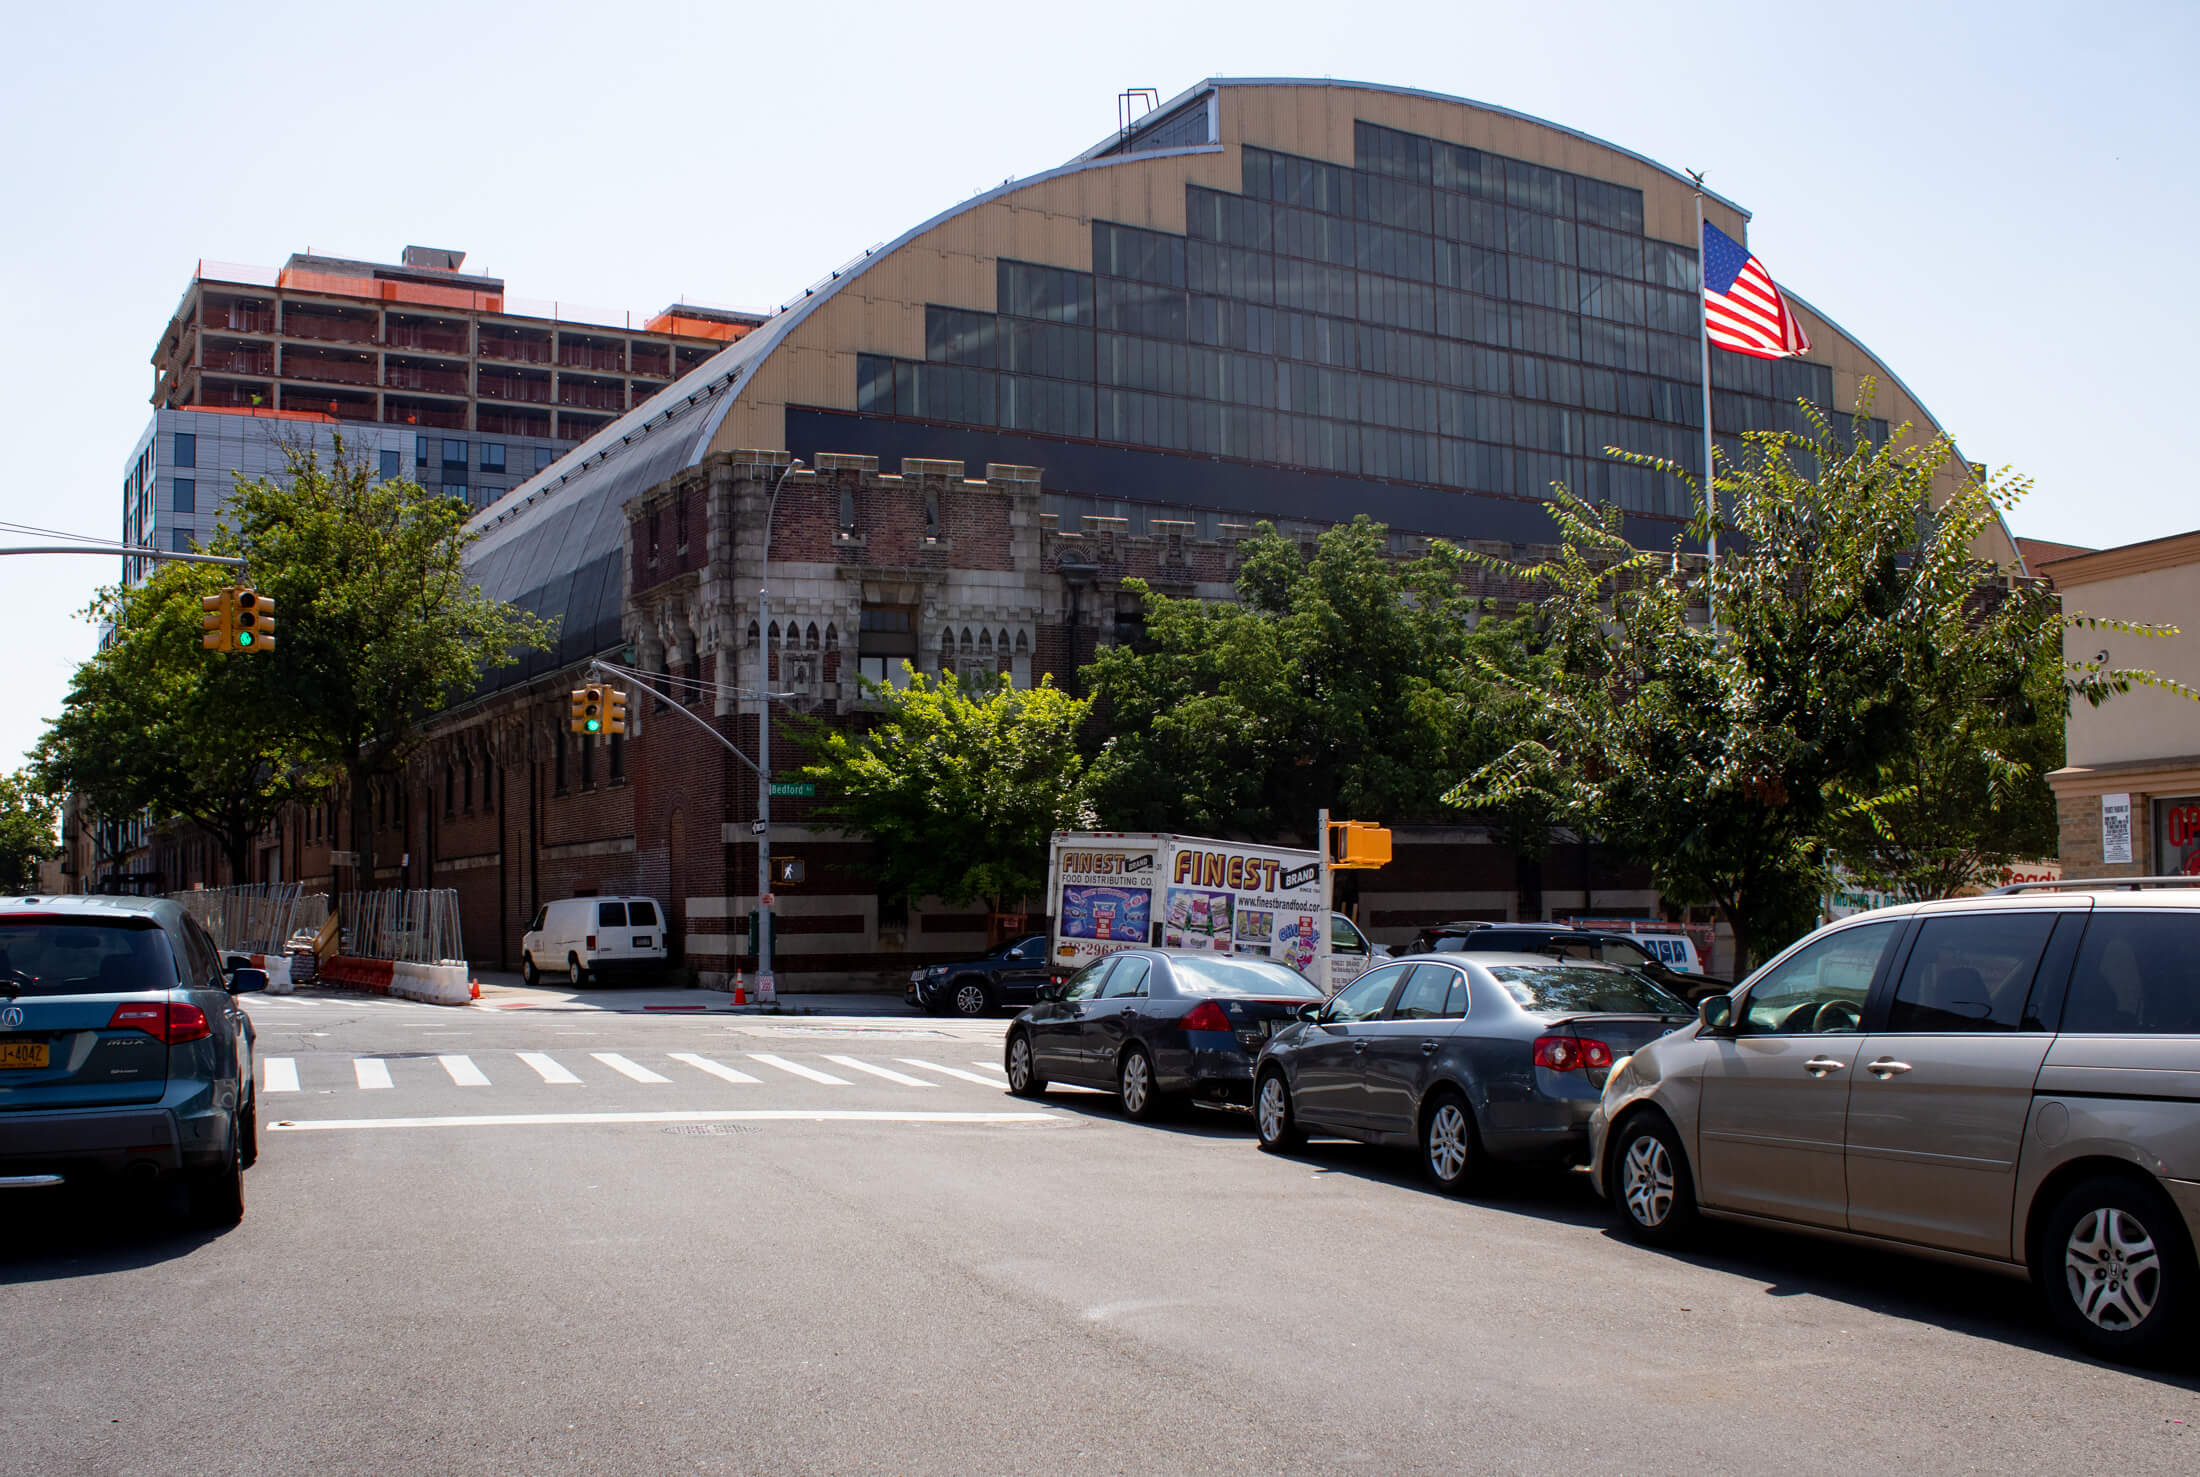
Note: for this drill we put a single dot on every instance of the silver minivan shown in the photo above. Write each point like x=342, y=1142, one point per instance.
x=2009, y=1081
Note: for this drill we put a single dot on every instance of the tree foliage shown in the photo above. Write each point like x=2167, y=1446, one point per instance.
x=958, y=790
x=29, y=825
x=378, y=623
x=1870, y=688
x=1350, y=680
x=156, y=724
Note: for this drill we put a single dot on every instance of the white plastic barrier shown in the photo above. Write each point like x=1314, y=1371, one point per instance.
x=277, y=966
x=438, y=984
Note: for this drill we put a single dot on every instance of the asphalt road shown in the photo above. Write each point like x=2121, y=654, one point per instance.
x=485, y=1268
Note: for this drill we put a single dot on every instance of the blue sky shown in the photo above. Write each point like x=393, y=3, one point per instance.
x=1997, y=199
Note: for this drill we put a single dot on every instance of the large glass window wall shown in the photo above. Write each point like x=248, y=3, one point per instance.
x=1435, y=315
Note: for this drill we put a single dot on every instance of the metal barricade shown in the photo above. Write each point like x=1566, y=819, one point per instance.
x=410, y=927
x=254, y=918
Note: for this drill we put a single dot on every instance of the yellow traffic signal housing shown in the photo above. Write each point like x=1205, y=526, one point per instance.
x=577, y=710
x=1356, y=845
x=615, y=712
x=252, y=625
x=588, y=708
x=220, y=609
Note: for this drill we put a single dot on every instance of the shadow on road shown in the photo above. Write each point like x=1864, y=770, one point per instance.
x=70, y=1234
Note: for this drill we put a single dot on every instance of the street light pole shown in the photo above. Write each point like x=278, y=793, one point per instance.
x=766, y=988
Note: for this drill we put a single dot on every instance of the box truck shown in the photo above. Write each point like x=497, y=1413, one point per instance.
x=1110, y=890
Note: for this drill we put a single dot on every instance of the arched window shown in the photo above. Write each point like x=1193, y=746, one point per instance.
x=832, y=637
x=985, y=643
x=809, y=637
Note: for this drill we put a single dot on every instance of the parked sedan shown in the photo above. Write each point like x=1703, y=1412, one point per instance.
x=1158, y=1026
x=1466, y=1057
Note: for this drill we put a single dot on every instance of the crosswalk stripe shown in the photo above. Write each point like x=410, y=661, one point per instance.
x=626, y=1068
x=716, y=1069
x=371, y=1071
x=798, y=1069
x=878, y=1071
x=910, y=1061
x=547, y=1068
x=463, y=1071
x=993, y=1067
x=282, y=1074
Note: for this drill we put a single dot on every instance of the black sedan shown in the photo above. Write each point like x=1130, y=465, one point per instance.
x=1463, y=1056
x=1158, y=1026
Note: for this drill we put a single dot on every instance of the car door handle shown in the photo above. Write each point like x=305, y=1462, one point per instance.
x=1128, y=1010
x=1819, y=1066
x=1359, y=1046
x=1887, y=1067
x=1428, y=1046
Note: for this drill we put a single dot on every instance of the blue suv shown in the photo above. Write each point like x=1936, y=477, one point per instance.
x=123, y=1051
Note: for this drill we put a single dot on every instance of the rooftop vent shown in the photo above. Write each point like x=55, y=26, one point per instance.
x=435, y=258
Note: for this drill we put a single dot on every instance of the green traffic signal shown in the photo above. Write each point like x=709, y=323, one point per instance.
x=594, y=725
x=244, y=638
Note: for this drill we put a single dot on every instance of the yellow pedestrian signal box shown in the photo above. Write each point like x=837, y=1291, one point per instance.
x=588, y=710
x=219, y=610
x=1357, y=845
x=614, y=711
x=252, y=621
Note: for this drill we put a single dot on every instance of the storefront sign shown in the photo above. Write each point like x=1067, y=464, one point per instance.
x=2115, y=829
x=2177, y=836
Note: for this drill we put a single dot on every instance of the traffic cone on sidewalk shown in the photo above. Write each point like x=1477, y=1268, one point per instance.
x=740, y=988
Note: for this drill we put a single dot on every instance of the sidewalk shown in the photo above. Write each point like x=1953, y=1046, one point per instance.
x=504, y=990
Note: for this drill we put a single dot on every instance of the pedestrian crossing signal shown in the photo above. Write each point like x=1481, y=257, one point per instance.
x=1358, y=845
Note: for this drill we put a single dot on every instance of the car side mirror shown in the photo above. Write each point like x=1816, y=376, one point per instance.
x=247, y=981
x=231, y=963
x=1311, y=1011
x=1716, y=1013
x=1050, y=992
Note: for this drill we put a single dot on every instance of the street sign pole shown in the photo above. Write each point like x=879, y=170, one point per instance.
x=1329, y=885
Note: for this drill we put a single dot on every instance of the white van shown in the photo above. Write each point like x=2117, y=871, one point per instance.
x=589, y=939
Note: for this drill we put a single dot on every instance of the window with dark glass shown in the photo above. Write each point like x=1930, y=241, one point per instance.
x=492, y=456
x=186, y=498
x=618, y=758
x=588, y=762
x=1970, y=973
x=2137, y=974
x=557, y=767
x=186, y=449
x=392, y=464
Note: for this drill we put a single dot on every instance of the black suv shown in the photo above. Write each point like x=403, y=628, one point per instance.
x=1564, y=942
x=1010, y=975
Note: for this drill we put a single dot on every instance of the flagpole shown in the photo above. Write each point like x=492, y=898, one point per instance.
x=1710, y=490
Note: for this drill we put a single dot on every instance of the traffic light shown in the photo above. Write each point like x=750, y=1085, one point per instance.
x=219, y=609
x=615, y=711
x=587, y=710
x=252, y=624
x=1358, y=845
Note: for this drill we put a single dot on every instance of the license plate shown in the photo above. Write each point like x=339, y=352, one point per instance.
x=22, y=1054
x=641, y=943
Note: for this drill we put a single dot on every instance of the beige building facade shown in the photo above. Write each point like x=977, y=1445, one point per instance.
x=2129, y=791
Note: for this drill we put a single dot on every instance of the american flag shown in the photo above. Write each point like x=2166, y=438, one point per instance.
x=1742, y=310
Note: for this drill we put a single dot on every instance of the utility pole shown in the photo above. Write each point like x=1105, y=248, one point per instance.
x=766, y=987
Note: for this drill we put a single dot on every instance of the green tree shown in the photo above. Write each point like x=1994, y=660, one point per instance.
x=156, y=724
x=29, y=830
x=959, y=790
x=1350, y=681
x=1858, y=641
x=378, y=623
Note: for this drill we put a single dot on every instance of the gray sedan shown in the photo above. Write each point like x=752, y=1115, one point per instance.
x=1499, y=1056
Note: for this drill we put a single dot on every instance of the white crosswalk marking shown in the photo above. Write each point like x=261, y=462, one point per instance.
x=798, y=1069
x=909, y=1061
x=463, y=1071
x=993, y=1067
x=878, y=1071
x=626, y=1068
x=281, y=1073
x=716, y=1069
x=547, y=1068
x=372, y=1071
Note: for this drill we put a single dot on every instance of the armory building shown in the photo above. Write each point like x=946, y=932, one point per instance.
x=1285, y=300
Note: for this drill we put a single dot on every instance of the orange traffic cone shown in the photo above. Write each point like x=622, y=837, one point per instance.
x=740, y=988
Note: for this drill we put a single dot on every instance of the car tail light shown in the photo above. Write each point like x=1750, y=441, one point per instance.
x=1206, y=1016
x=1572, y=1053
x=173, y=1024
x=591, y=941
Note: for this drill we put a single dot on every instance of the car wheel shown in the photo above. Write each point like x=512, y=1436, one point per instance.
x=1023, y=1070
x=970, y=998
x=576, y=976
x=1279, y=1130
x=1648, y=1182
x=2116, y=1268
x=251, y=1152
x=527, y=971
x=215, y=1197
x=1135, y=1086
x=1448, y=1150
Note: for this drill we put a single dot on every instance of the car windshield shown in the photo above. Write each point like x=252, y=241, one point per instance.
x=1239, y=977
x=65, y=957
x=1561, y=989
